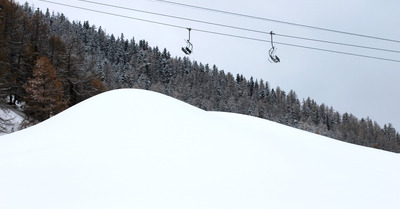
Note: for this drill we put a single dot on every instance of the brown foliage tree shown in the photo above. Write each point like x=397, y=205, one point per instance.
x=44, y=92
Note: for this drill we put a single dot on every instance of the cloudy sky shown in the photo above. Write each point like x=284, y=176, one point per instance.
x=357, y=85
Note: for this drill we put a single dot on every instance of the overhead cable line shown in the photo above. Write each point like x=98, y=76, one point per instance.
x=298, y=46
x=338, y=43
x=278, y=21
x=171, y=16
x=238, y=28
x=113, y=14
x=218, y=33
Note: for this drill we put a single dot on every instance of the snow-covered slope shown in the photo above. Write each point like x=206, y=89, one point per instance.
x=13, y=120
x=143, y=150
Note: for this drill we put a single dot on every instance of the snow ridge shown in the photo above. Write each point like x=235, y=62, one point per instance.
x=157, y=152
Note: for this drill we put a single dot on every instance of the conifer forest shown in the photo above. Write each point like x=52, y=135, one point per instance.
x=48, y=63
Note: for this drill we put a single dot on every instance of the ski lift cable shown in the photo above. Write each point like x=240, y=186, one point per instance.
x=240, y=28
x=218, y=33
x=338, y=43
x=298, y=46
x=278, y=21
x=113, y=14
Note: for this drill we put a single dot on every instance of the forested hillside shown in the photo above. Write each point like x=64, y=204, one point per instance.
x=48, y=64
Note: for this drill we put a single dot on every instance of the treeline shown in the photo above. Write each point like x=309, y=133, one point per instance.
x=27, y=36
x=50, y=63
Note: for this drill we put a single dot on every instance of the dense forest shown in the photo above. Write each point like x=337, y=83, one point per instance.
x=48, y=64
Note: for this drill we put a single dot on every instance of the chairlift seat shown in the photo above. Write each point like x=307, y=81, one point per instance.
x=272, y=56
x=189, y=50
x=185, y=51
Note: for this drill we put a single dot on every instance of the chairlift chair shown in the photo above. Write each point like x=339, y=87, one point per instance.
x=188, y=49
x=189, y=46
x=272, y=56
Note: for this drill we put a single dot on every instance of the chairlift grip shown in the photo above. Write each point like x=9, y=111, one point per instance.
x=272, y=42
x=189, y=29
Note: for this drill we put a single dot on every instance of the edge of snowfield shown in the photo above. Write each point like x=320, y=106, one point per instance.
x=13, y=120
x=152, y=151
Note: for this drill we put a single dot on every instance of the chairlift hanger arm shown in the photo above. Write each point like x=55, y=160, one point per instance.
x=272, y=42
x=189, y=29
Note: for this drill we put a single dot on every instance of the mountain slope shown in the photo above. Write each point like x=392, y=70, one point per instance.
x=12, y=120
x=153, y=151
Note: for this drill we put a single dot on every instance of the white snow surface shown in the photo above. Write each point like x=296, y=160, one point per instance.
x=13, y=120
x=139, y=149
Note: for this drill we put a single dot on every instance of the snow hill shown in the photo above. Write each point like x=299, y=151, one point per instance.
x=151, y=151
x=13, y=117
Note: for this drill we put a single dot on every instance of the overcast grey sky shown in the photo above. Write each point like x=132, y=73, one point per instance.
x=361, y=86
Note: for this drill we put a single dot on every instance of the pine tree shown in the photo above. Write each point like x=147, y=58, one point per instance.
x=44, y=92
